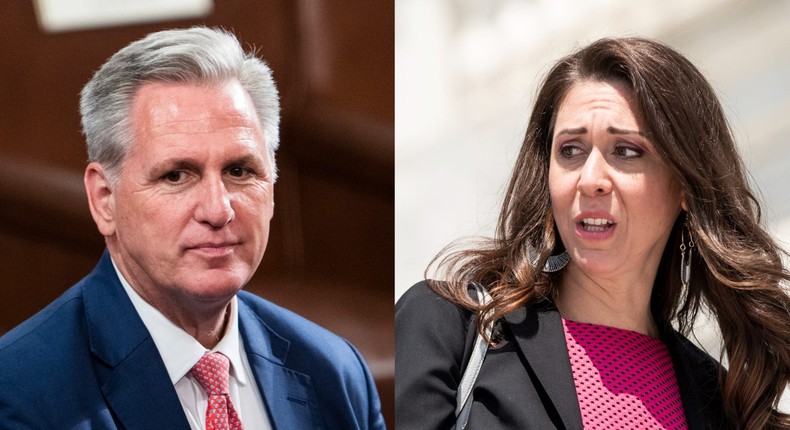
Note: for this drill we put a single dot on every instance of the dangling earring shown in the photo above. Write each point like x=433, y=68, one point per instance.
x=685, y=262
x=556, y=262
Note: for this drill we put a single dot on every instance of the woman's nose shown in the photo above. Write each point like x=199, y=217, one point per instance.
x=594, y=178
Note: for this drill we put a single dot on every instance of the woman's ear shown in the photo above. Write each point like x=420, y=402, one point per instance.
x=683, y=203
x=101, y=199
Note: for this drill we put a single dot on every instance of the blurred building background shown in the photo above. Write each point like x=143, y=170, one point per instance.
x=467, y=72
x=331, y=249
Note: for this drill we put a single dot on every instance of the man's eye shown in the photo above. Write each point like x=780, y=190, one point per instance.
x=238, y=172
x=175, y=176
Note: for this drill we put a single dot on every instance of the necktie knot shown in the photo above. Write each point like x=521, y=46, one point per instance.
x=212, y=373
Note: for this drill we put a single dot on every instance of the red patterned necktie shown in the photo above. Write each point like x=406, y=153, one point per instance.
x=212, y=373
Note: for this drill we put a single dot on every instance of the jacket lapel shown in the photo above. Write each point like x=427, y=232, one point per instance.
x=128, y=366
x=539, y=335
x=685, y=371
x=288, y=395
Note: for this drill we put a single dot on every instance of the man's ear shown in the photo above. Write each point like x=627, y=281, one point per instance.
x=100, y=198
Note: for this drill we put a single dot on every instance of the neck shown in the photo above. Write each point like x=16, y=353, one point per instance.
x=206, y=328
x=622, y=303
x=205, y=320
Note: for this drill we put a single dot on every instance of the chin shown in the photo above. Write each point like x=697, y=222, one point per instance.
x=217, y=285
x=594, y=265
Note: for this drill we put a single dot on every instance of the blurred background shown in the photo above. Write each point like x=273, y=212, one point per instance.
x=466, y=73
x=331, y=249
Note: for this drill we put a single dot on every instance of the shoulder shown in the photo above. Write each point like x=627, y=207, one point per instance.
x=699, y=376
x=305, y=337
x=61, y=327
x=432, y=339
x=705, y=367
x=429, y=323
x=48, y=350
x=420, y=305
x=337, y=370
x=48, y=329
x=312, y=349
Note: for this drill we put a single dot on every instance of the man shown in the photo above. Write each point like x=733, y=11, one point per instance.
x=181, y=127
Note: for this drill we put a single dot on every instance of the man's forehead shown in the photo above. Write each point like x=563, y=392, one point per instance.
x=168, y=109
x=195, y=127
x=164, y=102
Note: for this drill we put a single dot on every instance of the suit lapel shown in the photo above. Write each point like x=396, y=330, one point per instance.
x=128, y=366
x=684, y=371
x=541, y=339
x=288, y=395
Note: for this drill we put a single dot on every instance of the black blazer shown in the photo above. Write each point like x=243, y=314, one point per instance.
x=526, y=382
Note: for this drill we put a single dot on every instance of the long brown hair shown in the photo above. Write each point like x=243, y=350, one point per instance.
x=737, y=271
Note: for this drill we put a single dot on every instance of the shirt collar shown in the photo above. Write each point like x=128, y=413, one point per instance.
x=179, y=350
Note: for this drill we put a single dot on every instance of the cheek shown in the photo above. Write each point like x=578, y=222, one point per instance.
x=659, y=205
x=129, y=209
x=255, y=218
x=256, y=206
x=154, y=214
x=562, y=190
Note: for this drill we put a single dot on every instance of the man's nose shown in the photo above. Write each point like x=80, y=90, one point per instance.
x=214, y=206
x=594, y=178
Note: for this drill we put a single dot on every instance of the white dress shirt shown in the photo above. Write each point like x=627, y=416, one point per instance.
x=180, y=352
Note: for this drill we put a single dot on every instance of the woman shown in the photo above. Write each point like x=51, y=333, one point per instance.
x=629, y=195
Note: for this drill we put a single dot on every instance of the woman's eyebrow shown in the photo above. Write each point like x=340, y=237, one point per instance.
x=615, y=130
x=573, y=131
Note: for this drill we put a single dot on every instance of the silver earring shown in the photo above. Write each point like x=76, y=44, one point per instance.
x=685, y=262
x=556, y=262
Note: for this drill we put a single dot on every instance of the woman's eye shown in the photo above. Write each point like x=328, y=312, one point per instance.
x=570, y=150
x=628, y=152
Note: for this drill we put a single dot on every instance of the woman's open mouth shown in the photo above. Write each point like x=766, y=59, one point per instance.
x=596, y=224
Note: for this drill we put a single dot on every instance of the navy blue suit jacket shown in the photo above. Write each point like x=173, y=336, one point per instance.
x=87, y=361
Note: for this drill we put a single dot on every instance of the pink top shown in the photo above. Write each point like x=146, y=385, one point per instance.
x=623, y=379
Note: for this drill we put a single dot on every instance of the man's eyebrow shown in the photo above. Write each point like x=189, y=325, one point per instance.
x=169, y=164
x=248, y=159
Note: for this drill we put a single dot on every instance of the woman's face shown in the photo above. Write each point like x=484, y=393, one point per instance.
x=614, y=201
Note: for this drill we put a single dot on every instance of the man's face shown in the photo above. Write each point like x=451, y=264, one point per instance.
x=194, y=198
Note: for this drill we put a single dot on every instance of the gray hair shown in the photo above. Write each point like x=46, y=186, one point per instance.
x=195, y=55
